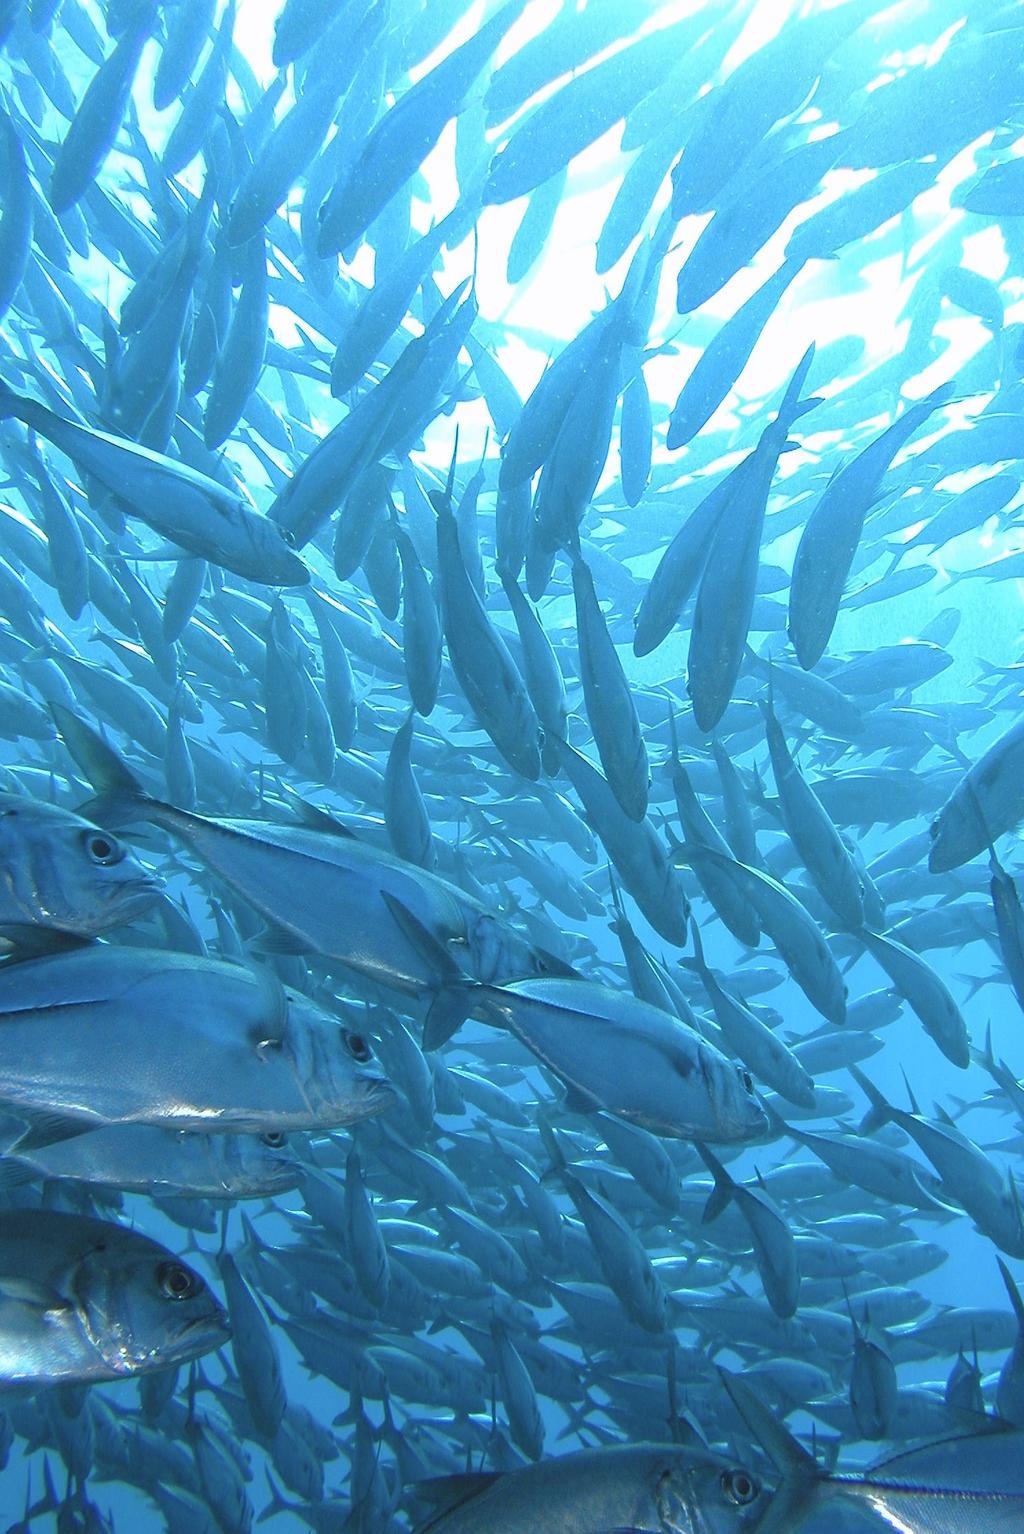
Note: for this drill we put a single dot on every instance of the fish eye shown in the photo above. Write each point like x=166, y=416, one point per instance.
x=274, y=1138
x=101, y=848
x=287, y=535
x=175, y=1282
x=747, y=1080
x=739, y=1487
x=358, y=1047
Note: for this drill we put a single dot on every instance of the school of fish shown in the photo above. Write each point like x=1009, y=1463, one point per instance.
x=511, y=969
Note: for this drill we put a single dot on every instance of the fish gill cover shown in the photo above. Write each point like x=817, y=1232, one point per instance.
x=512, y=758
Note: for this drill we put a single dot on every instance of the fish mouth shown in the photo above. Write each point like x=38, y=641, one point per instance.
x=758, y=1126
x=214, y=1329
x=378, y=1094
x=137, y=893
x=142, y=891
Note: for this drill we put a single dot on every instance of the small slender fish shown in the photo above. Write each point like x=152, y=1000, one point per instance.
x=194, y=512
x=485, y=670
x=833, y=530
x=91, y=135
x=725, y=598
x=609, y=700
x=775, y=1251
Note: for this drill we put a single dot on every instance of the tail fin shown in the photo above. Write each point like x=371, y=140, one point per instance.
x=277, y=1503
x=451, y=1003
x=724, y=1187
x=880, y=1112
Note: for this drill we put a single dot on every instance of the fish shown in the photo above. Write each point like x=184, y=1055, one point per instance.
x=608, y=1488
x=479, y=656
x=775, y=1251
x=609, y=703
x=929, y=1487
x=405, y=135
x=193, y=511
x=577, y=114
x=982, y=806
x=283, y=1063
x=829, y=540
x=812, y=832
x=87, y=1300
x=98, y=116
x=152, y=1159
x=721, y=617
x=788, y=924
x=64, y=874
x=507, y=676
x=627, y=1057
x=344, y=897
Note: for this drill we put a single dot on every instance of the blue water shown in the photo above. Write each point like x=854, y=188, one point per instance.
x=929, y=294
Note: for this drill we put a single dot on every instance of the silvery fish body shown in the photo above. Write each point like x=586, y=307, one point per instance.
x=972, y=1485
x=489, y=309
x=986, y=802
x=643, y=1488
x=629, y=1057
x=337, y=896
x=84, y=1300
x=325, y=890
x=180, y=503
x=146, y=1158
x=103, y=1035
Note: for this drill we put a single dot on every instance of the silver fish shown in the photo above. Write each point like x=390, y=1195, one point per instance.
x=634, y=1487
x=618, y=1053
x=83, y=1300
x=61, y=872
x=103, y=1035
x=973, y=1484
x=329, y=893
x=146, y=1158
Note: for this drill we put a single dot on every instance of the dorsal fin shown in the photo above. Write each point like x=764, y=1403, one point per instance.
x=784, y=1451
x=441, y=500
x=315, y=818
x=910, y=1093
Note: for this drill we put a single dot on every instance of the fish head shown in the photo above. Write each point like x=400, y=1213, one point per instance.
x=272, y=553
x=141, y=1307
x=257, y=1166
x=341, y=1079
x=949, y=847
x=64, y=872
x=699, y=1491
x=736, y=1107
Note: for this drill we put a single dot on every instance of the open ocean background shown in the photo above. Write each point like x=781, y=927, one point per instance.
x=890, y=325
